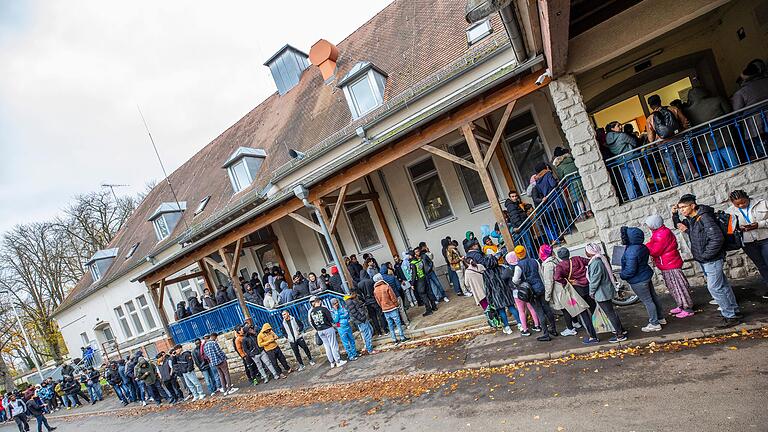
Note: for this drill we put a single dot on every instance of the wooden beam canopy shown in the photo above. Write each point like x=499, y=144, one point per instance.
x=334, y=243
x=468, y=112
x=301, y=219
x=499, y=133
x=554, y=16
x=337, y=209
x=182, y=278
x=451, y=157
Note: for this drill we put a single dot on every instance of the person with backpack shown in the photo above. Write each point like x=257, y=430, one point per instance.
x=530, y=272
x=358, y=315
x=663, y=249
x=752, y=216
x=664, y=123
x=571, y=273
x=707, y=247
x=636, y=271
x=499, y=293
x=524, y=280
x=453, y=262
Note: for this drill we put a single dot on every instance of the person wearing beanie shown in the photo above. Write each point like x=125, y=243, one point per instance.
x=664, y=251
x=335, y=281
x=555, y=293
x=572, y=272
x=512, y=276
x=498, y=293
x=527, y=270
x=602, y=284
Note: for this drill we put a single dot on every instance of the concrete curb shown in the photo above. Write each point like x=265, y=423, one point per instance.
x=711, y=331
x=438, y=329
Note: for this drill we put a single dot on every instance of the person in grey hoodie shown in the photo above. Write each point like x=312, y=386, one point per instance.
x=620, y=143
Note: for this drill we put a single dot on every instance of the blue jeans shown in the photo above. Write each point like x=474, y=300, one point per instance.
x=94, y=391
x=366, y=329
x=141, y=390
x=634, y=170
x=211, y=380
x=122, y=393
x=437, y=287
x=669, y=164
x=505, y=319
x=719, y=288
x=454, y=278
x=647, y=295
x=70, y=400
x=348, y=340
x=393, y=321
x=41, y=420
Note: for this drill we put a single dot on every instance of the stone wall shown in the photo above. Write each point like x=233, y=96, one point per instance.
x=610, y=216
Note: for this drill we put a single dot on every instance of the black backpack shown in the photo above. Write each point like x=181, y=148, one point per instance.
x=729, y=225
x=665, y=123
x=524, y=292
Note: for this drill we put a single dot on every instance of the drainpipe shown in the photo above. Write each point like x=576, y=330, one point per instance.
x=479, y=10
x=302, y=193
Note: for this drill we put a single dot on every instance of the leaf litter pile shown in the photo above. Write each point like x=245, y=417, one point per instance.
x=402, y=388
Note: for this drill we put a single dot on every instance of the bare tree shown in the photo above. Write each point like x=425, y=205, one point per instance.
x=8, y=333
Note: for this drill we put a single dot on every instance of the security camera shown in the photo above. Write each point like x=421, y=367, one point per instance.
x=540, y=80
x=295, y=154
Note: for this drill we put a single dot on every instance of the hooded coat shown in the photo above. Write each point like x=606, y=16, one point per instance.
x=473, y=279
x=358, y=313
x=497, y=292
x=145, y=371
x=663, y=248
x=620, y=142
x=301, y=288
x=391, y=280
x=181, y=312
x=564, y=165
x=195, y=306
x=634, y=262
x=516, y=212
x=703, y=108
x=469, y=238
x=365, y=288
x=384, y=296
x=317, y=286
x=707, y=239
x=267, y=339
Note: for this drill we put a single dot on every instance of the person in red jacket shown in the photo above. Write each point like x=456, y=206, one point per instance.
x=666, y=257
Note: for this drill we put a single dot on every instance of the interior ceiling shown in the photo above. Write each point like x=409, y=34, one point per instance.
x=586, y=14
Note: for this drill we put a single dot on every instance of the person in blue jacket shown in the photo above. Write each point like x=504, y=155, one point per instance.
x=341, y=320
x=636, y=271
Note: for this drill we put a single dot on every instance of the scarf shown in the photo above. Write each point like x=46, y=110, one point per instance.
x=596, y=251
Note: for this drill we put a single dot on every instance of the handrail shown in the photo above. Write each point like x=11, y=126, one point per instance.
x=704, y=126
x=546, y=199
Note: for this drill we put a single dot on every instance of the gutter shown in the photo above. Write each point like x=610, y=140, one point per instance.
x=492, y=78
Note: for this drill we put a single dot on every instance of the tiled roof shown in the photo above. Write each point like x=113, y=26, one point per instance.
x=410, y=40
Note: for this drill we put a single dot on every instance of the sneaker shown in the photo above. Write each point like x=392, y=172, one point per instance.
x=189, y=397
x=713, y=302
x=221, y=390
x=675, y=311
x=341, y=363
x=311, y=362
x=372, y=352
x=617, y=339
x=588, y=340
x=663, y=321
x=353, y=358
x=765, y=296
x=426, y=313
x=543, y=338
x=232, y=390
x=525, y=332
x=684, y=314
x=266, y=379
x=728, y=323
x=277, y=377
x=568, y=332
x=406, y=339
x=507, y=330
x=143, y=403
x=333, y=365
x=576, y=325
x=445, y=299
x=519, y=327
x=536, y=328
x=69, y=408
x=651, y=328
x=301, y=368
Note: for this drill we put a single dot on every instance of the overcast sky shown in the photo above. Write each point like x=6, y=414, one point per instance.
x=73, y=72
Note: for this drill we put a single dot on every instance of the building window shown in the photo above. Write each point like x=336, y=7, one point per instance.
x=187, y=290
x=469, y=178
x=240, y=176
x=361, y=224
x=146, y=311
x=243, y=166
x=166, y=217
x=134, y=314
x=478, y=31
x=108, y=336
x=95, y=272
x=132, y=250
x=526, y=149
x=161, y=228
x=84, y=338
x=201, y=206
x=363, y=88
x=123, y=322
x=429, y=191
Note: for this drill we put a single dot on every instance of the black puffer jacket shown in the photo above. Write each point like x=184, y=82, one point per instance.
x=707, y=240
x=358, y=313
x=365, y=288
x=516, y=212
x=113, y=376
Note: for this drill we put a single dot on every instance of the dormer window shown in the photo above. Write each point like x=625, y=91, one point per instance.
x=478, y=31
x=100, y=262
x=243, y=166
x=166, y=217
x=363, y=87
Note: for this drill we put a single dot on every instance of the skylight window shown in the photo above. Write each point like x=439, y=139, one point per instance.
x=201, y=206
x=132, y=250
x=479, y=30
x=166, y=217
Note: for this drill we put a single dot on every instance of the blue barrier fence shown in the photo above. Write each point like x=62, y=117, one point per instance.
x=229, y=315
x=722, y=144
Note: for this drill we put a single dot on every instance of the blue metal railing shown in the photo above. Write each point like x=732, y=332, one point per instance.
x=229, y=315
x=722, y=144
x=555, y=217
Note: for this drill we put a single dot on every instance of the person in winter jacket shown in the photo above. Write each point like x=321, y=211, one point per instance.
x=341, y=321
x=252, y=296
x=218, y=361
x=300, y=286
x=620, y=143
x=17, y=410
x=221, y=295
x=321, y=319
x=202, y=363
x=184, y=366
x=358, y=315
x=469, y=238
x=404, y=274
x=365, y=292
x=316, y=285
x=250, y=346
x=389, y=304
x=636, y=271
x=294, y=330
x=354, y=268
x=702, y=107
x=387, y=274
x=420, y=283
x=335, y=281
x=208, y=301
x=527, y=270
x=147, y=374
x=116, y=382
x=498, y=293
x=508, y=274
x=433, y=282
x=37, y=408
x=267, y=339
x=708, y=248
x=140, y=392
x=168, y=377
x=664, y=250
x=517, y=210
x=195, y=306
x=752, y=215
x=287, y=295
x=572, y=271
x=753, y=88
x=93, y=384
x=602, y=288
x=452, y=262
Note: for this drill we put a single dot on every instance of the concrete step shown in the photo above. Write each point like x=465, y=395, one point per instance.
x=574, y=238
x=586, y=225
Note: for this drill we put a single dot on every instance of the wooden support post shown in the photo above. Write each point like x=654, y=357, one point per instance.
x=283, y=264
x=485, y=179
x=301, y=219
x=158, y=300
x=335, y=245
x=499, y=133
x=385, y=227
x=451, y=157
x=182, y=278
x=207, y=277
x=337, y=209
x=232, y=273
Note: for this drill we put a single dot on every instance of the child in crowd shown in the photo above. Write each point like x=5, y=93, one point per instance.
x=666, y=257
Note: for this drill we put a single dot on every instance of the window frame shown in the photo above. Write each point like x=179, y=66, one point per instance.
x=508, y=137
x=201, y=205
x=95, y=272
x=158, y=233
x=236, y=185
x=489, y=30
x=462, y=181
x=122, y=320
x=356, y=207
x=135, y=317
x=379, y=97
x=146, y=312
x=412, y=181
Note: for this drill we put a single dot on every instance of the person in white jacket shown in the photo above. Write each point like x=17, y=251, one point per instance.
x=294, y=331
x=752, y=215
